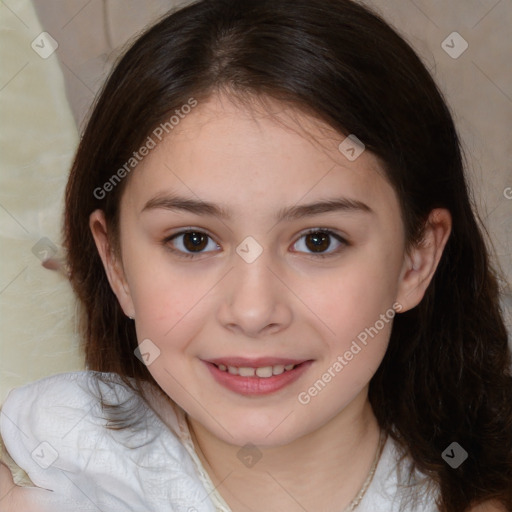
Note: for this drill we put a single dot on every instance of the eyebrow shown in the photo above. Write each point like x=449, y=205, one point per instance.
x=178, y=203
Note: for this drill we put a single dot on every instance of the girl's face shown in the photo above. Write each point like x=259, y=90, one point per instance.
x=252, y=245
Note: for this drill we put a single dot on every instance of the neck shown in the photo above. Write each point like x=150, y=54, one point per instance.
x=323, y=470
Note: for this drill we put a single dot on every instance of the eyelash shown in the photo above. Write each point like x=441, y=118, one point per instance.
x=330, y=233
x=188, y=255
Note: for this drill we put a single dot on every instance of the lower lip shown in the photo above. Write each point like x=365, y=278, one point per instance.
x=256, y=386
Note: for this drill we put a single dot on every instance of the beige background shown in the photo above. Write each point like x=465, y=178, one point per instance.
x=39, y=135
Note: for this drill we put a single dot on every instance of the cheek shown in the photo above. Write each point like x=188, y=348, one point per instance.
x=357, y=308
x=353, y=296
x=356, y=303
x=162, y=294
x=167, y=304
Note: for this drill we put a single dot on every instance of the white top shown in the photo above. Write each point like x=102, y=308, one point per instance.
x=54, y=429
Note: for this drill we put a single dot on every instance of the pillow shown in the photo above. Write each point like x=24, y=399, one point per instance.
x=37, y=143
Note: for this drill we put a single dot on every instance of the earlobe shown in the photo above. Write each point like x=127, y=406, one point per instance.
x=421, y=262
x=111, y=263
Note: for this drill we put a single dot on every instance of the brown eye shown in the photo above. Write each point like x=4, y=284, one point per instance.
x=320, y=242
x=194, y=241
x=189, y=243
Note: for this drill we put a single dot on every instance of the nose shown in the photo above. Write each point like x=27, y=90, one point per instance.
x=255, y=301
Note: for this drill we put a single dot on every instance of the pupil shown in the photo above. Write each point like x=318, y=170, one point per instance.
x=320, y=241
x=194, y=241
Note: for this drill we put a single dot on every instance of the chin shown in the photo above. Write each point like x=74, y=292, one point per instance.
x=263, y=433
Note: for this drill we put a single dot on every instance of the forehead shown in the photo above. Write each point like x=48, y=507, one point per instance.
x=257, y=156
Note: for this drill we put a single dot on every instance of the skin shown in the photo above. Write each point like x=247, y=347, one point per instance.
x=14, y=498
x=287, y=303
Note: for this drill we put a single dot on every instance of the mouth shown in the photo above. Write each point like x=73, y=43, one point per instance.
x=256, y=376
x=263, y=372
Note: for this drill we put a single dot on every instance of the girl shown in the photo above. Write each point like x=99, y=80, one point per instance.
x=287, y=300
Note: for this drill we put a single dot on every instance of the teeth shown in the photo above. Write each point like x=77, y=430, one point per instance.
x=246, y=372
x=277, y=369
x=263, y=372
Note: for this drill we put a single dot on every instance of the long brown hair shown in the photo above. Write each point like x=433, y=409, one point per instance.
x=446, y=375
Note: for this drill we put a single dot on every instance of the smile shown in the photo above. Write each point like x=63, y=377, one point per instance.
x=263, y=371
x=256, y=377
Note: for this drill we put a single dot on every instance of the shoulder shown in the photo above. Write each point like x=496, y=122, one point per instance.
x=61, y=397
x=395, y=487
x=60, y=384
x=63, y=418
x=57, y=430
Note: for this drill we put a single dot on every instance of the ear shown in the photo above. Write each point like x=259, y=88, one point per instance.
x=111, y=263
x=420, y=263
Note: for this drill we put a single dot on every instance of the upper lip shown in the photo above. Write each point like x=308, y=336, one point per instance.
x=258, y=362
